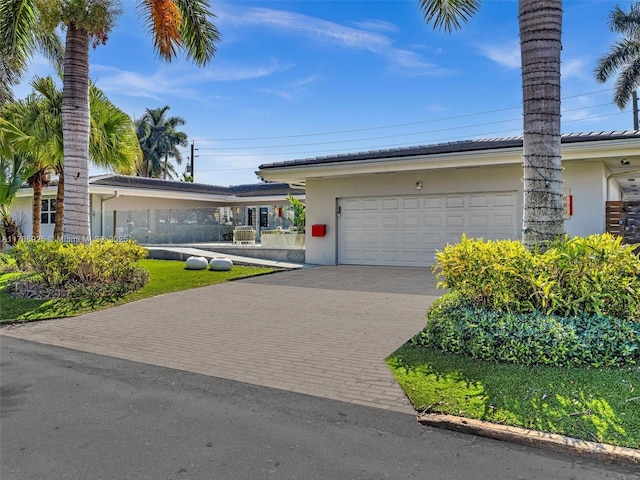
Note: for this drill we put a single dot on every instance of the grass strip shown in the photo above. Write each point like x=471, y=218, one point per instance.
x=165, y=276
x=598, y=405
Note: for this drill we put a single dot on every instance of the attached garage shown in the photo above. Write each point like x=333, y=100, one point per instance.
x=407, y=230
x=398, y=206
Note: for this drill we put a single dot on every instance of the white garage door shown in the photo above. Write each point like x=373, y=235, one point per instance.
x=408, y=230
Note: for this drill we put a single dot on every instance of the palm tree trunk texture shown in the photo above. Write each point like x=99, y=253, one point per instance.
x=36, y=210
x=57, y=230
x=540, y=44
x=37, y=182
x=75, y=131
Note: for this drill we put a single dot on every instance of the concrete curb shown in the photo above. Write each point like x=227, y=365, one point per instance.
x=534, y=438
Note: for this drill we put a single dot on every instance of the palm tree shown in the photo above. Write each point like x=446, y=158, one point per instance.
x=113, y=142
x=14, y=169
x=623, y=57
x=159, y=140
x=31, y=116
x=540, y=24
x=174, y=24
x=19, y=40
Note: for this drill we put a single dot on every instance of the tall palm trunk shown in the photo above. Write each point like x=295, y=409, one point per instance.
x=540, y=44
x=57, y=231
x=75, y=131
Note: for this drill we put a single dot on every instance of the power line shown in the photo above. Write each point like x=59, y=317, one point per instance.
x=455, y=117
x=219, y=150
x=388, y=146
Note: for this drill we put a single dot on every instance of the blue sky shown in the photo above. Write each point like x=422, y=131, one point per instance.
x=297, y=79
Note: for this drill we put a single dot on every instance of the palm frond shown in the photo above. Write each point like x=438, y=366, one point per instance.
x=628, y=82
x=163, y=19
x=199, y=34
x=627, y=23
x=17, y=33
x=621, y=53
x=448, y=15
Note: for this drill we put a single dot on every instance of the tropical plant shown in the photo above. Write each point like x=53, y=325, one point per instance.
x=540, y=24
x=174, y=24
x=14, y=169
x=19, y=39
x=624, y=56
x=159, y=140
x=299, y=213
x=113, y=143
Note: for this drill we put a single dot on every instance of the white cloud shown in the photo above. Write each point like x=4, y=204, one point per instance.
x=179, y=81
x=377, y=25
x=507, y=54
x=576, y=68
x=366, y=38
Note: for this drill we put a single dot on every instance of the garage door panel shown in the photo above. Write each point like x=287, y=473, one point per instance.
x=411, y=203
x=370, y=204
x=370, y=221
x=410, y=220
x=504, y=200
x=408, y=230
x=430, y=203
x=390, y=204
x=390, y=221
x=434, y=221
x=455, y=220
x=478, y=201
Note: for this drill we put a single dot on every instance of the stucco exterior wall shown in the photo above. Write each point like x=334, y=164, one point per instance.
x=586, y=180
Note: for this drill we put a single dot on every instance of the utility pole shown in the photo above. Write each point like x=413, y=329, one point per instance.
x=190, y=168
x=634, y=101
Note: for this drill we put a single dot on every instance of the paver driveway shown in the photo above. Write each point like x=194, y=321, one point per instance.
x=322, y=331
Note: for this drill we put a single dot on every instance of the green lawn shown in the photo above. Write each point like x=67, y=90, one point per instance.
x=164, y=277
x=601, y=405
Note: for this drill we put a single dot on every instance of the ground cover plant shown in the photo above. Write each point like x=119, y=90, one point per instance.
x=593, y=404
x=164, y=276
x=564, y=323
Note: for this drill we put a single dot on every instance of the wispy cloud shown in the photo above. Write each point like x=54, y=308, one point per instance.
x=365, y=36
x=179, y=81
x=576, y=68
x=376, y=25
x=506, y=55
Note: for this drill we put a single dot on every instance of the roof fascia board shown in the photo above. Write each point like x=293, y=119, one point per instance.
x=601, y=149
x=396, y=164
x=504, y=156
x=157, y=193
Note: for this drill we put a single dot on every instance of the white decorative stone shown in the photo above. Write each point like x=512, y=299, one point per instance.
x=196, y=263
x=220, y=264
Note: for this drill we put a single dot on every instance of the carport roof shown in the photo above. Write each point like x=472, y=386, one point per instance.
x=444, y=148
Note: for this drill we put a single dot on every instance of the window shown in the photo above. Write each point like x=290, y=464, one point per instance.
x=48, y=213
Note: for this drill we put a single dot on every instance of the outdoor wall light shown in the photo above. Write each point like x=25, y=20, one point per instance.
x=418, y=185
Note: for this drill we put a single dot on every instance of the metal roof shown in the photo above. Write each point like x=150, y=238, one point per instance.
x=449, y=147
x=249, y=190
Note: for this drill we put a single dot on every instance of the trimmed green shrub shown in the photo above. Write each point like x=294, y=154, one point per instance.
x=457, y=325
x=596, y=275
x=7, y=263
x=102, y=268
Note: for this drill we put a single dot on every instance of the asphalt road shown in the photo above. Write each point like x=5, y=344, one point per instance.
x=71, y=415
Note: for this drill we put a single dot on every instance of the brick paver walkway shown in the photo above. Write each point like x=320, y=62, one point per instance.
x=322, y=331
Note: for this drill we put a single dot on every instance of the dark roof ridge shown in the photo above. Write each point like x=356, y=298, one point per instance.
x=450, y=147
